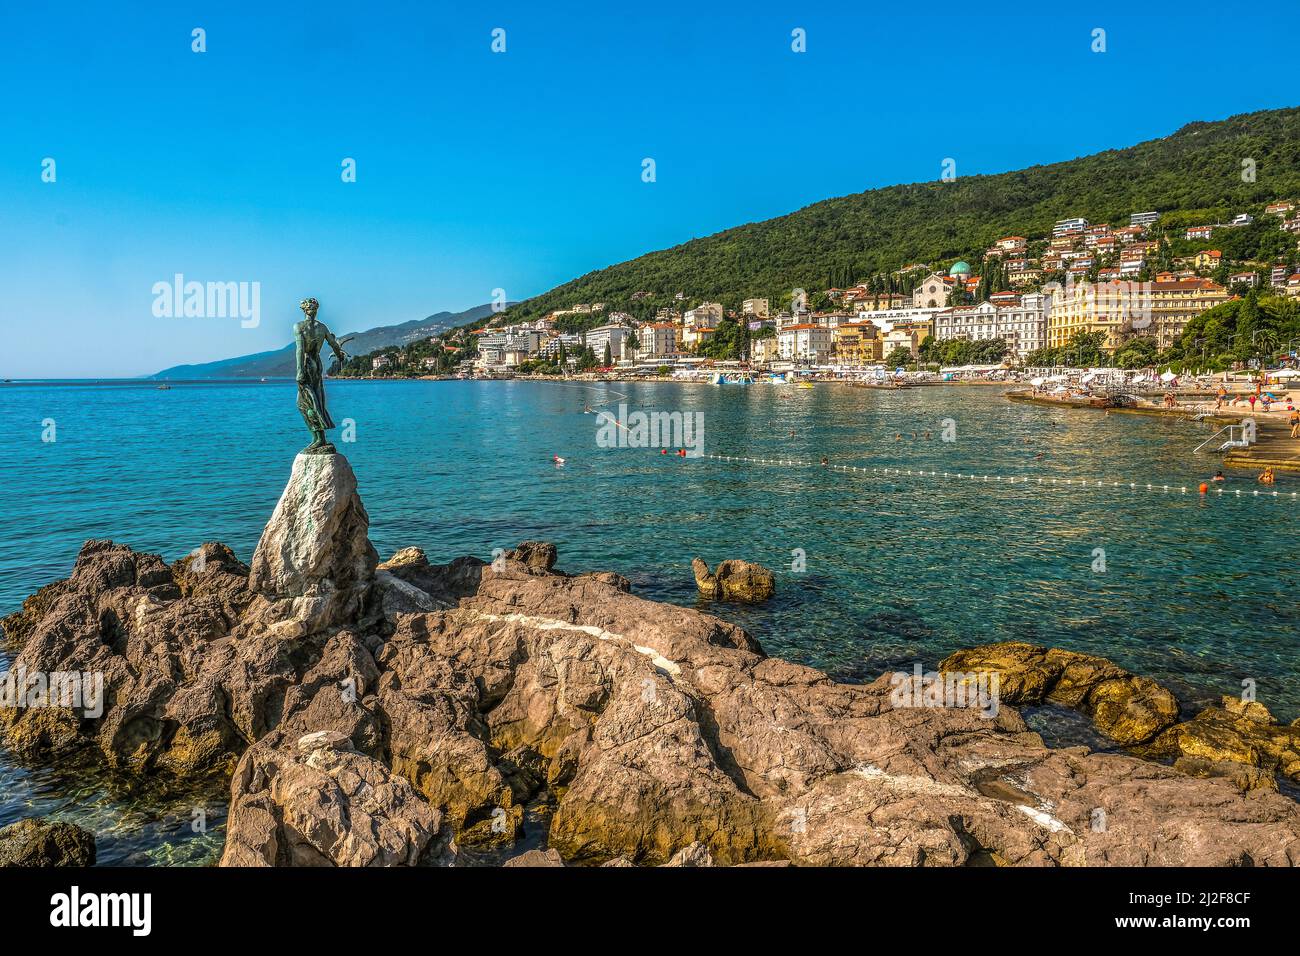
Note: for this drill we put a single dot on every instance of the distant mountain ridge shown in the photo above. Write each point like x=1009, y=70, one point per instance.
x=280, y=362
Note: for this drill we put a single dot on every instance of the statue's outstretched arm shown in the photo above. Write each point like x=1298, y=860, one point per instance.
x=334, y=344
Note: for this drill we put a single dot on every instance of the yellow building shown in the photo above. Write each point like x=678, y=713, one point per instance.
x=858, y=343
x=1174, y=304
x=1207, y=260
x=1123, y=310
x=880, y=301
x=906, y=335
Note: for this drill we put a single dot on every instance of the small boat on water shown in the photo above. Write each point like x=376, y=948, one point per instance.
x=805, y=385
x=163, y=388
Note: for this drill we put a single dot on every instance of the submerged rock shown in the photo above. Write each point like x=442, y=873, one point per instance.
x=40, y=842
x=734, y=581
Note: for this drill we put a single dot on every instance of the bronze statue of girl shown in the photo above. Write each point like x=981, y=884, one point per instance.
x=308, y=337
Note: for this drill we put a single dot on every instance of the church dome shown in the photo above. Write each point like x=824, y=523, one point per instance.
x=960, y=268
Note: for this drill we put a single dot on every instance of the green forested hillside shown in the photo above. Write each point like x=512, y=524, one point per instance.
x=1196, y=175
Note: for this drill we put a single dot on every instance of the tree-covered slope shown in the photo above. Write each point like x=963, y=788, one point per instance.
x=1194, y=175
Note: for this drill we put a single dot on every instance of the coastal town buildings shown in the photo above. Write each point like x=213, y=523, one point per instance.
x=695, y=336
x=1174, y=304
x=906, y=335
x=858, y=343
x=764, y=351
x=877, y=301
x=1108, y=288
x=1019, y=320
x=1067, y=227
x=612, y=335
x=1120, y=310
x=707, y=315
x=656, y=340
x=806, y=342
x=933, y=292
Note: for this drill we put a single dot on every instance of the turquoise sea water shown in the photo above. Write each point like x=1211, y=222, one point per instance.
x=1197, y=593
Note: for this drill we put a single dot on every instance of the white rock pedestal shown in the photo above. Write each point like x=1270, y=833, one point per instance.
x=314, y=565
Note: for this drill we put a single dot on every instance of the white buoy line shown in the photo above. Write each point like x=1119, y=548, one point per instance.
x=1030, y=480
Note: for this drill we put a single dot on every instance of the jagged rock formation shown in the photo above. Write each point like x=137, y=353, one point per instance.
x=322, y=803
x=734, y=581
x=1239, y=740
x=453, y=695
x=1127, y=708
x=40, y=842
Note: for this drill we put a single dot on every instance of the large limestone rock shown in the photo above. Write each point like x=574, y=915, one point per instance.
x=734, y=581
x=318, y=802
x=40, y=842
x=314, y=565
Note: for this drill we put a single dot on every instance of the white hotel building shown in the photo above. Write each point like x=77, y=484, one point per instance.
x=1022, y=325
x=806, y=342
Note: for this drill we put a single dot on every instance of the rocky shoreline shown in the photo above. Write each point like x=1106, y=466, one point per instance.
x=405, y=713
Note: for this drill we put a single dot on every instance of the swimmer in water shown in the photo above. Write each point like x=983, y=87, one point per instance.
x=1218, y=476
x=558, y=460
x=825, y=460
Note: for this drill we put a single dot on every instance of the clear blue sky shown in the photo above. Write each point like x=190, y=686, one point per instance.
x=519, y=170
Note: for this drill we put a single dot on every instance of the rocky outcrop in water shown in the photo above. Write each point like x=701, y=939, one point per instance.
x=1126, y=708
x=40, y=842
x=734, y=581
x=450, y=697
x=1239, y=740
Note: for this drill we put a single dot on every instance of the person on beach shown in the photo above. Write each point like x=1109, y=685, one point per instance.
x=1294, y=422
x=1252, y=401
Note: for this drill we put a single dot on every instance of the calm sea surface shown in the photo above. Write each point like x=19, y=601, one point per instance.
x=1197, y=593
